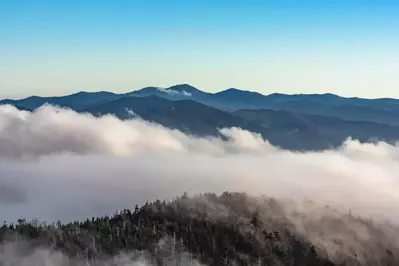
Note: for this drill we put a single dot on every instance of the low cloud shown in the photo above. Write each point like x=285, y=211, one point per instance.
x=175, y=92
x=131, y=113
x=50, y=130
x=57, y=164
x=24, y=253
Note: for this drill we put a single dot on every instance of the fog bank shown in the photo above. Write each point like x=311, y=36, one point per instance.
x=58, y=164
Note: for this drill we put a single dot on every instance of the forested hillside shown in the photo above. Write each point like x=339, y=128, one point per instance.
x=231, y=229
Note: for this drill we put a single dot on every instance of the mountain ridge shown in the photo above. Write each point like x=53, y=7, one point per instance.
x=310, y=122
x=177, y=86
x=232, y=99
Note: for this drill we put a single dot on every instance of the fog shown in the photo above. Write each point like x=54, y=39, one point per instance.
x=59, y=165
x=22, y=253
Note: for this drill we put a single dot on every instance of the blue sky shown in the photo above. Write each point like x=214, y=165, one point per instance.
x=347, y=47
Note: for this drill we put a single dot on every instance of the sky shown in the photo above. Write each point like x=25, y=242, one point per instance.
x=346, y=47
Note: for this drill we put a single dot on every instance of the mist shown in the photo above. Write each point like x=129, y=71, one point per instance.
x=57, y=164
x=23, y=253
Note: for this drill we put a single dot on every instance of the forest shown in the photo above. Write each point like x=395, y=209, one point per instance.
x=207, y=229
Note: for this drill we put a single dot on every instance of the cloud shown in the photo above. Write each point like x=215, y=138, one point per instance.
x=23, y=253
x=175, y=92
x=185, y=93
x=50, y=130
x=11, y=194
x=57, y=164
x=131, y=113
x=60, y=165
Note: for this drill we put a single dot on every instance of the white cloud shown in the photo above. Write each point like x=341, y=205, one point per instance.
x=131, y=113
x=185, y=93
x=66, y=165
x=51, y=130
x=175, y=92
x=59, y=165
x=22, y=253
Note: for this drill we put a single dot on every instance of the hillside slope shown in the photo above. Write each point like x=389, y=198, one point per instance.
x=230, y=229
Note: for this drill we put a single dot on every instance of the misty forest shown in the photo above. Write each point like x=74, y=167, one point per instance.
x=230, y=229
x=177, y=176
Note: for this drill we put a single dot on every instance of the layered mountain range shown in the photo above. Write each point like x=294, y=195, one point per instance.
x=296, y=122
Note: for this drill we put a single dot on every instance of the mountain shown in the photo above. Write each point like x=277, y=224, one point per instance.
x=177, y=92
x=296, y=122
x=352, y=109
x=307, y=131
x=341, y=109
x=144, y=92
x=186, y=115
x=296, y=131
x=74, y=101
x=188, y=90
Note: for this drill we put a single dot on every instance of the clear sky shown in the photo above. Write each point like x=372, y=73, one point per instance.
x=347, y=47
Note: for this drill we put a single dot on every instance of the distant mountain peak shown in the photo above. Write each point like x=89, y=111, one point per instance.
x=326, y=95
x=183, y=87
x=89, y=93
x=180, y=90
x=235, y=90
x=277, y=94
x=151, y=88
x=230, y=90
x=329, y=95
x=32, y=97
